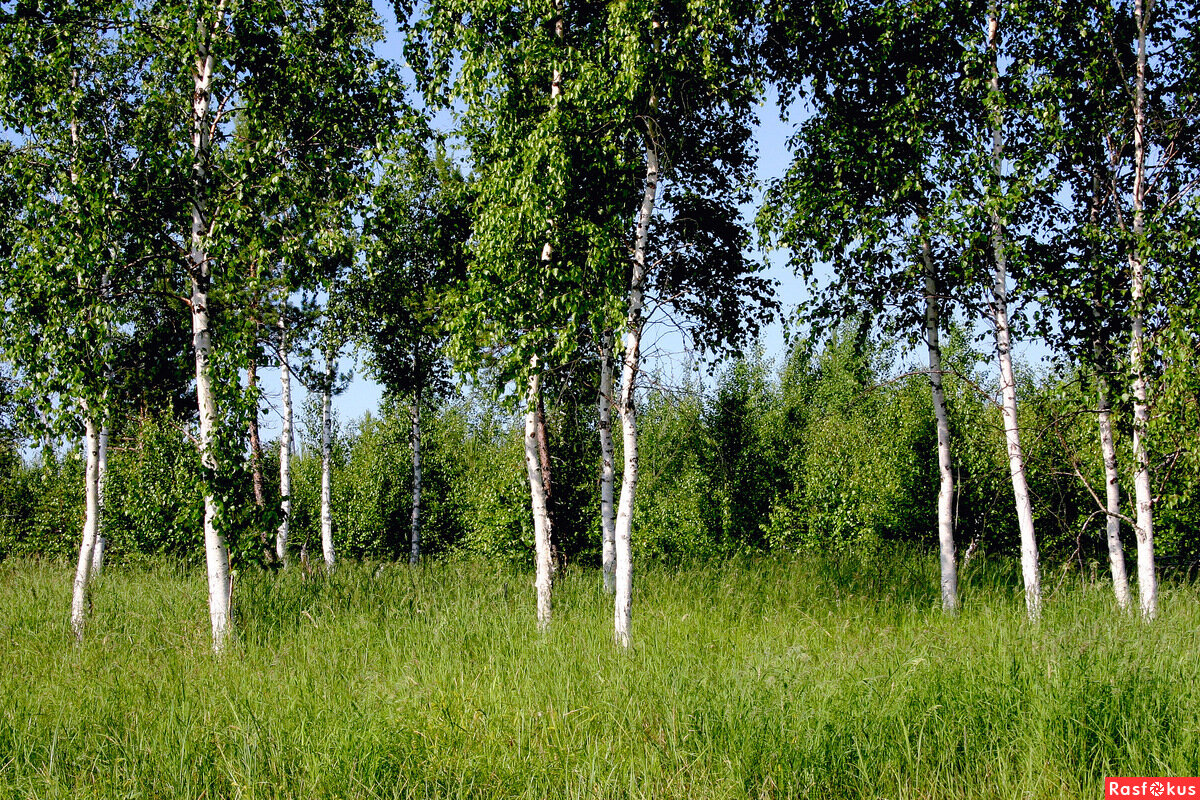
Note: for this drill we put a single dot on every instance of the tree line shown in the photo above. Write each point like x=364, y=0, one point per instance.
x=190, y=192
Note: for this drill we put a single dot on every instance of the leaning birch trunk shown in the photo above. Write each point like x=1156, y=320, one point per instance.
x=415, y=440
x=285, y=446
x=101, y=480
x=1147, y=579
x=91, y=522
x=537, y=495
x=608, y=552
x=1112, y=496
x=623, y=605
x=946, y=557
x=327, y=461
x=199, y=268
x=542, y=533
x=1008, y=385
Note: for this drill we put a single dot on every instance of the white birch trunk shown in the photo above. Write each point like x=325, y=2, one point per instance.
x=327, y=461
x=623, y=605
x=608, y=524
x=537, y=494
x=91, y=522
x=945, y=518
x=1112, y=498
x=101, y=480
x=415, y=439
x=285, y=445
x=542, y=533
x=1008, y=386
x=1147, y=579
x=216, y=554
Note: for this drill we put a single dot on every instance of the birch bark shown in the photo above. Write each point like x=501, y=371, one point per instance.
x=415, y=440
x=542, y=533
x=199, y=268
x=608, y=553
x=623, y=605
x=101, y=480
x=91, y=522
x=1112, y=497
x=946, y=556
x=327, y=461
x=537, y=493
x=1147, y=579
x=543, y=441
x=285, y=445
x=1008, y=387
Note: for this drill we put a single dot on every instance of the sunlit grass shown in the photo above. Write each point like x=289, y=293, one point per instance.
x=756, y=678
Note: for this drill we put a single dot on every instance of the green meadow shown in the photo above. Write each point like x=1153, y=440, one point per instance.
x=755, y=678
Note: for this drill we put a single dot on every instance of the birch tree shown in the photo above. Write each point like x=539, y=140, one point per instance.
x=689, y=80
x=545, y=223
x=995, y=198
x=285, y=439
x=416, y=233
x=1124, y=143
x=867, y=189
x=71, y=259
x=277, y=97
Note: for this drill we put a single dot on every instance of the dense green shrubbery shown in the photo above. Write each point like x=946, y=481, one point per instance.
x=154, y=500
x=835, y=452
x=41, y=508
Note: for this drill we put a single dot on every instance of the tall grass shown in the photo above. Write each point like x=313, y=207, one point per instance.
x=757, y=678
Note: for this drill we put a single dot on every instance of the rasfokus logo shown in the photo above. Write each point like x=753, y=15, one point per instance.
x=1151, y=787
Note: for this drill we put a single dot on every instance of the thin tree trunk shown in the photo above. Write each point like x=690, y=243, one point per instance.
x=1108, y=450
x=285, y=445
x=1147, y=579
x=91, y=522
x=543, y=441
x=91, y=526
x=415, y=440
x=1112, y=492
x=256, y=457
x=608, y=555
x=101, y=481
x=327, y=460
x=1012, y=433
x=542, y=528
x=946, y=557
x=623, y=605
x=537, y=494
x=216, y=554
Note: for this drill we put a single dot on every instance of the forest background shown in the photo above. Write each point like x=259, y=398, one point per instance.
x=1070, y=179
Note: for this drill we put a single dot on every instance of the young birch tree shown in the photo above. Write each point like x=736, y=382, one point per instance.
x=544, y=221
x=867, y=189
x=691, y=88
x=1124, y=143
x=416, y=233
x=70, y=262
x=1000, y=246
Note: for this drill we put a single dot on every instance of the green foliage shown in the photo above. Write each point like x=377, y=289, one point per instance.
x=154, y=502
x=472, y=486
x=675, y=517
x=861, y=465
x=41, y=504
x=821, y=676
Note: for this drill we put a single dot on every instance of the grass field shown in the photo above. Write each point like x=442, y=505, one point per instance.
x=756, y=678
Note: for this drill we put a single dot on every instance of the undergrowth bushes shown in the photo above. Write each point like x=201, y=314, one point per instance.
x=834, y=451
